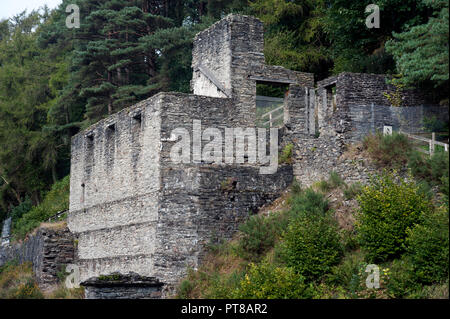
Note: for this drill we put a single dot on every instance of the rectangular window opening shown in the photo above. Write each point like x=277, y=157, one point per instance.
x=270, y=99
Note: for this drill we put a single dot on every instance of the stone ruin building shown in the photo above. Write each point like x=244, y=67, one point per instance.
x=140, y=220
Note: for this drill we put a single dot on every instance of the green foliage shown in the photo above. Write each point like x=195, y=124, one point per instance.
x=421, y=52
x=18, y=211
x=335, y=180
x=434, y=170
x=266, y=281
x=17, y=282
x=401, y=282
x=271, y=90
x=356, y=48
x=258, y=236
x=390, y=151
x=312, y=246
x=348, y=273
x=286, y=154
x=184, y=289
x=56, y=200
x=296, y=187
x=432, y=124
x=387, y=209
x=396, y=97
x=307, y=203
x=295, y=36
x=428, y=248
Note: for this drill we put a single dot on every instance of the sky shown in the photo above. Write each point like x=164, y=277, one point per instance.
x=9, y=8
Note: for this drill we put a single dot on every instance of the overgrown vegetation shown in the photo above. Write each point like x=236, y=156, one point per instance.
x=300, y=251
x=56, y=200
x=17, y=282
x=390, y=151
x=388, y=208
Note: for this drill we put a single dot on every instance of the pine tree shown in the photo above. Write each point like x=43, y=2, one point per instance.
x=422, y=53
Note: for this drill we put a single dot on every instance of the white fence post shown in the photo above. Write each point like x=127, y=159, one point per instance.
x=433, y=138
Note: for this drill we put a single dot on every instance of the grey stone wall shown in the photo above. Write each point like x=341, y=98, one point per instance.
x=166, y=212
x=359, y=106
x=232, y=52
x=49, y=250
x=123, y=286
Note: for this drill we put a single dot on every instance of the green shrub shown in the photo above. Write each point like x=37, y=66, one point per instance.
x=347, y=273
x=258, y=236
x=185, y=289
x=312, y=245
x=388, y=150
x=428, y=248
x=308, y=202
x=349, y=239
x=286, y=154
x=265, y=281
x=401, y=282
x=18, y=211
x=387, y=210
x=16, y=282
x=56, y=200
x=27, y=290
x=433, y=124
x=431, y=170
x=224, y=286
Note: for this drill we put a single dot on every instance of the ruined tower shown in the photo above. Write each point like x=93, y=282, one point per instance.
x=135, y=210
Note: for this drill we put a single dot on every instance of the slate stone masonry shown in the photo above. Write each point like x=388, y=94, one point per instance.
x=49, y=250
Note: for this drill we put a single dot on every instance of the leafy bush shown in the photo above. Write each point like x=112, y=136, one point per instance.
x=18, y=211
x=265, y=281
x=401, y=282
x=387, y=210
x=429, y=169
x=428, y=248
x=258, y=236
x=388, y=150
x=56, y=200
x=296, y=187
x=27, y=290
x=323, y=186
x=312, y=245
x=346, y=274
x=308, y=202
